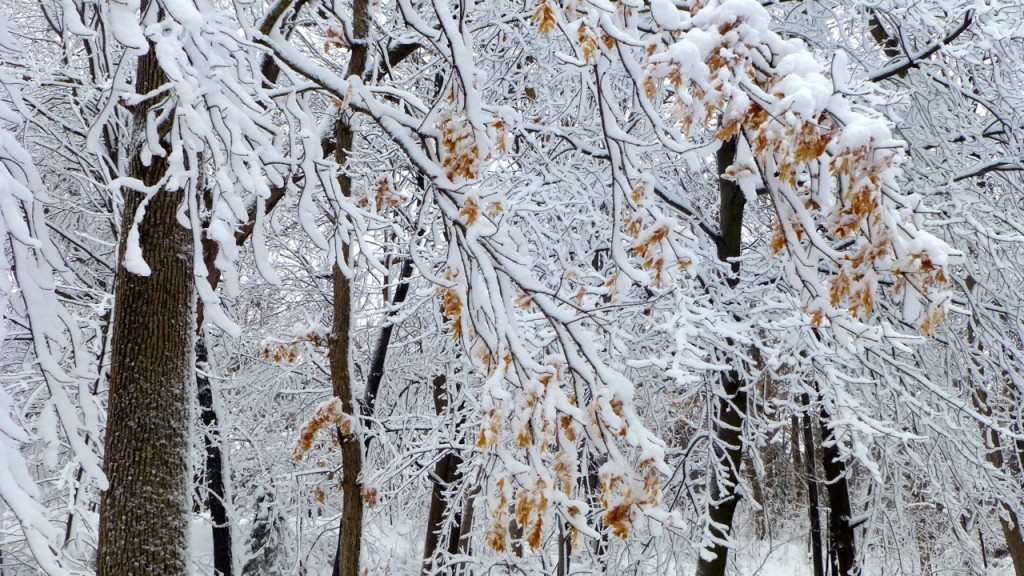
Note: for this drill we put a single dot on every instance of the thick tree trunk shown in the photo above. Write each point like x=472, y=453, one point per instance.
x=144, y=514
x=732, y=403
x=813, y=505
x=842, y=547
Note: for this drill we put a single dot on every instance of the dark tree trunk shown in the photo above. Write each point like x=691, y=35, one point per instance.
x=144, y=513
x=886, y=41
x=813, y=505
x=213, y=476
x=1009, y=520
x=214, y=479
x=564, y=551
x=515, y=535
x=842, y=547
x=465, y=546
x=794, y=443
x=592, y=485
x=724, y=498
x=380, y=353
x=1012, y=529
x=732, y=403
x=446, y=471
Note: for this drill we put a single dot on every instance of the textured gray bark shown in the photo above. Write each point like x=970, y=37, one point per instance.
x=144, y=514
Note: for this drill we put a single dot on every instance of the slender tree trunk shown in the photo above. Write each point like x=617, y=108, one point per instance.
x=214, y=480
x=350, y=531
x=842, y=539
x=1015, y=533
x=144, y=514
x=380, y=353
x=813, y=505
x=793, y=480
x=794, y=443
x=592, y=482
x=564, y=551
x=69, y=526
x=446, y=471
x=732, y=403
x=216, y=496
x=1009, y=521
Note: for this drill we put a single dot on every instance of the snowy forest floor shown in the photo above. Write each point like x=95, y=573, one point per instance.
x=398, y=552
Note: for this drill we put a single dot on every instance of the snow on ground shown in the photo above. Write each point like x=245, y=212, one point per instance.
x=201, y=546
x=398, y=550
x=779, y=558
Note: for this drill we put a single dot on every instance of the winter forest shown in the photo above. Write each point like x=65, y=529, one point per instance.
x=475, y=287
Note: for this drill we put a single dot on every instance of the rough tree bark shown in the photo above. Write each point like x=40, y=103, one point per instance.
x=144, y=514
